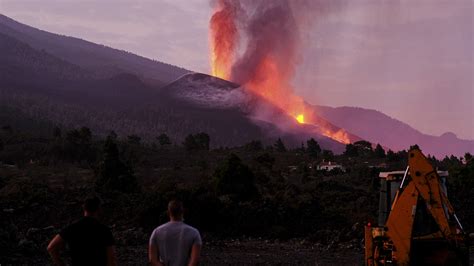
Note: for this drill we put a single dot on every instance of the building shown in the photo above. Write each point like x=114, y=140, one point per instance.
x=328, y=166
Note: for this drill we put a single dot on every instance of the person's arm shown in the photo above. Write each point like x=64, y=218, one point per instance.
x=111, y=259
x=153, y=255
x=54, y=249
x=195, y=253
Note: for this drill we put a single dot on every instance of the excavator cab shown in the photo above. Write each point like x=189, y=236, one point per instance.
x=416, y=223
x=389, y=185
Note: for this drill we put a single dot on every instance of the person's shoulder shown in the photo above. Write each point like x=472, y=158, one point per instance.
x=76, y=223
x=190, y=228
x=72, y=229
x=161, y=227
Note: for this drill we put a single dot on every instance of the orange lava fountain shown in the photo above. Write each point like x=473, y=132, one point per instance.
x=223, y=39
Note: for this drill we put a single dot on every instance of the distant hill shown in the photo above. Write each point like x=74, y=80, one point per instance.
x=101, y=60
x=53, y=80
x=377, y=127
x=65, y=81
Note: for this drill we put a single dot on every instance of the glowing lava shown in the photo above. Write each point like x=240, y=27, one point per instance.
x=300, y=118
x=223, y=39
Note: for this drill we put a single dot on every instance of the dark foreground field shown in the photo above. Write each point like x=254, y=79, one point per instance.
x=255, y=204
x=260, y=252
x=241, y=252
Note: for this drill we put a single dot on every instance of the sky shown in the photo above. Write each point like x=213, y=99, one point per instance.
x=411, y=59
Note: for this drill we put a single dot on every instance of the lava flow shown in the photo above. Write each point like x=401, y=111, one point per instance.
x=300, y=118
x=267, y=63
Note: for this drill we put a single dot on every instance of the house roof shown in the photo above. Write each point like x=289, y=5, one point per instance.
x=324, y=163
x=395, y=173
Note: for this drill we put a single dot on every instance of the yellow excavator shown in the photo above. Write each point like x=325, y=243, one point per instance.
x=417, y=224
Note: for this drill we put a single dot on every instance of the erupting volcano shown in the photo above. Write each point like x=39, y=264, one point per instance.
x=268, y=32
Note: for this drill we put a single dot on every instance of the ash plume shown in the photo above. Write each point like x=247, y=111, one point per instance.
x=269, y=32
x=269, y=35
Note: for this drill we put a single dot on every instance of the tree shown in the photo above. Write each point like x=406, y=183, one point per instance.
x=80, y=136
x=199, y=141
x=363, y=145
x=202, y=140
x=163, y=139
x=328, y=155
x=78, y=144
x=279, y=145
x=351, y=150
x=254, y=145
x=113, y=174
x=302, y=149
x=112, y=135
x=57, y=132
x=313, y=148
x=134, y=139
x=190, y=143
x=235, y=178
x=266, y=160
x=414, y=147
x=467, y=157
x=391, y=156
x=379, y=151
x=402, y=155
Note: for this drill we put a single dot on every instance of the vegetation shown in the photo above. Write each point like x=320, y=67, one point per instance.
x=271, y=192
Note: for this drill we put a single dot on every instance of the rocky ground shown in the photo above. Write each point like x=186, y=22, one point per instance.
x=260, y=252
x=132, y=250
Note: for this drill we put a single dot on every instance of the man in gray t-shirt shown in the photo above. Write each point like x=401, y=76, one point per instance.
x=174, y=243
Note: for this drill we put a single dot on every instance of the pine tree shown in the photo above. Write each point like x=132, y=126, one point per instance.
x=235, y=178
x=379, y=151
x=313, y=148
x=114, y=174
x=279, y=145
x=163, y=139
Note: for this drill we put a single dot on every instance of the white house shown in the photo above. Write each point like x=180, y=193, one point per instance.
x=328, y=166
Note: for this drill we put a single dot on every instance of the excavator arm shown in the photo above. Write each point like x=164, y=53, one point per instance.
x=395, y=240
x=428, y=185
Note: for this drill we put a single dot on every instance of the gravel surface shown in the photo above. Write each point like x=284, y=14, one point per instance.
x=257, y=252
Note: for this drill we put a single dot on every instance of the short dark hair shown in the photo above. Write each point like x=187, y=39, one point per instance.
x=91, y=204
x=175, y=208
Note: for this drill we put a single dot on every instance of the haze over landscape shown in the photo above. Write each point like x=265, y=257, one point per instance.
x=412, y=61
x=308, y=127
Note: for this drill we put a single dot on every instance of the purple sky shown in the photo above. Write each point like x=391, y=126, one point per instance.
x=411, y=59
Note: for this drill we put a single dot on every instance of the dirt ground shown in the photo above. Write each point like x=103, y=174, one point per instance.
x=244, y=252
x=257, y=252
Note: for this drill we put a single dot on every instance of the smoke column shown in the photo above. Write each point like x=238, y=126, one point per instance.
x=269, y=32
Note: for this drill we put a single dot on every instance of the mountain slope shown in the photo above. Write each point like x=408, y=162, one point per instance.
x=219, y=96
x=377, y=127
x=21, y=64
x=70, y=82
x=38, y=86
x=102, y=60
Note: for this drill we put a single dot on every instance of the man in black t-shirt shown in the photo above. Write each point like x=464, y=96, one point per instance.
x=89, y=241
